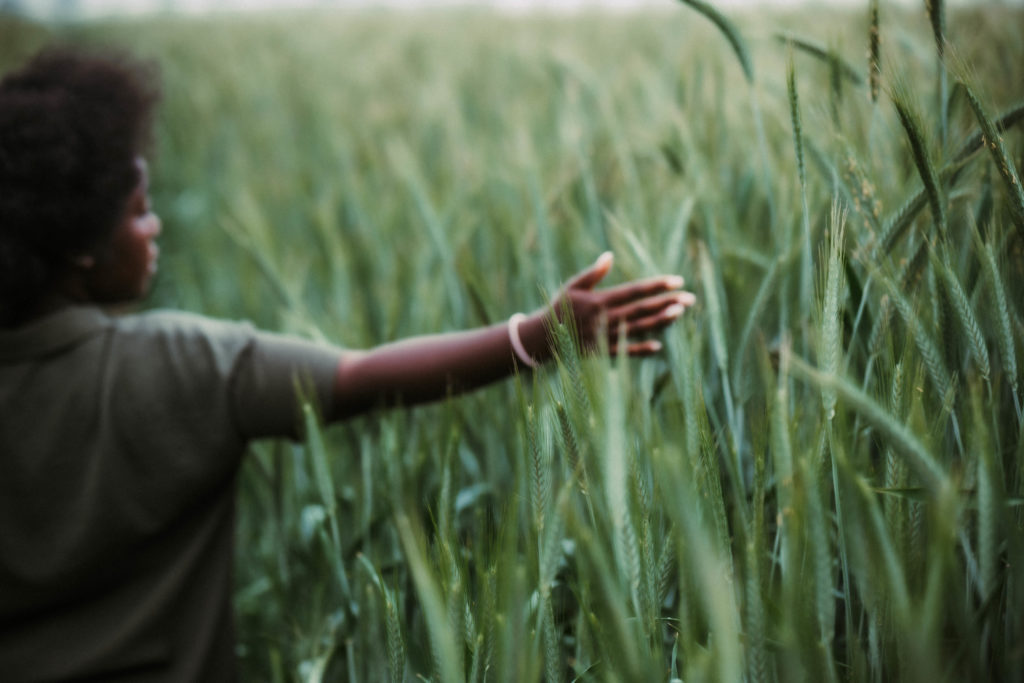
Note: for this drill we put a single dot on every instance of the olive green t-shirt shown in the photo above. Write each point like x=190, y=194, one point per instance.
x=120, y=440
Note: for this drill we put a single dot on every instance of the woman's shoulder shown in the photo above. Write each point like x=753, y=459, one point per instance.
x=172, y=322
x=187, y=344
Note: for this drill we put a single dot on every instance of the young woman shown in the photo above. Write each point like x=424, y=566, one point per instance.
x=121, y=436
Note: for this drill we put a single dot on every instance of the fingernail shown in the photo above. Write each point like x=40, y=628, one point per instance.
x=655, y=346
x=687, y=298
x=606, y=257
x=674, y=311
x=674, y=281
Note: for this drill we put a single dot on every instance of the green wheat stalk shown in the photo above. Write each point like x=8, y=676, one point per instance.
x=911, y=122
x=407, y=167
x=483, y=654
x=961, y=306
x=469, y=630
x=553, y=666
x=641, y=491
x=900, y=220
x=567, y=352
x=821, y=557
x=901, y=437
x=758, y=667
x=714, y=310
x=989, y=499
x=730, y=32
x=895, y=467
x=616, y=481
x=1007, y=349
x=769, y=286
x=782, y=461
x=710, y=277
x=838, y=67
x=937, y=16
x=666, y=565
x=831, y=346
x=710, y=479
x=571, y=444
x=445, y=646
x=805, y=218
x=325, y=486
x=1009, y=118
x=889, y=566
x=540, y=472
x=993, y=140
x=861, y=192
x=454, y=597
x=944, y=317
x=759, y=662
x=926, y=345
x=874, y=51
x=794, y=113
x=393, y=644
x=551, y=544
x=832, y=58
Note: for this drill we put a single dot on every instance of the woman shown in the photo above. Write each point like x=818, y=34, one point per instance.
x=121, y=436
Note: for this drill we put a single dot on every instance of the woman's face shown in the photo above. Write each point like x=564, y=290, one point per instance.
x=125, y=267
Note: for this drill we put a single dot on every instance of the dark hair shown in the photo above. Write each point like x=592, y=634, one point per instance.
x=71, y=124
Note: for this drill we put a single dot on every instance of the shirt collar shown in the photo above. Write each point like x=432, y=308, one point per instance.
x=52, y=332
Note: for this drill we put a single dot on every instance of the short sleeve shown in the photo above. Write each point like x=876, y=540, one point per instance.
x=207, y=386
x=273, y=375
x=121, y=439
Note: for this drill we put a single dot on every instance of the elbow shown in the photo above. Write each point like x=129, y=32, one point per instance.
x=352, y=394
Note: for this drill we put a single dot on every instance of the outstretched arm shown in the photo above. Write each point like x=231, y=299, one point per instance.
x=425, y=368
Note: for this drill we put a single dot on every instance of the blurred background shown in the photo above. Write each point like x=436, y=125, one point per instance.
x=63, y=10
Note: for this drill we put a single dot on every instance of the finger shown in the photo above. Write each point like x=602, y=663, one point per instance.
x=589, y=278
x=638, y=289
x=644, y=348
x=647, y=325
x=658, y=321
x=650, y=306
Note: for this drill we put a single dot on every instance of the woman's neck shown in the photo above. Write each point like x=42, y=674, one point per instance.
x=60, y=295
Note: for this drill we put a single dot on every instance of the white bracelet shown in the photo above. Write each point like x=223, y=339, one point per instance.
x=517, y=343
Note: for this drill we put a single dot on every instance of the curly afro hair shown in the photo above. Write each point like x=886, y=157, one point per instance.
x=71, y=125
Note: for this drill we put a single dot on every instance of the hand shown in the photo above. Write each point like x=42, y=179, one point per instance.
x=640, y=307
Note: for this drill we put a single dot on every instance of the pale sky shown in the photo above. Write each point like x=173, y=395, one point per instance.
x=52, y=8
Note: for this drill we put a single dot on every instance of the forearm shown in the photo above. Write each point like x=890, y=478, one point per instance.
x=421, y=369
x=426, y=368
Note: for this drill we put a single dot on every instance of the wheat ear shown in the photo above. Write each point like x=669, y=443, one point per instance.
x=968, y=321
x=874, y=51
x=992, y=139
x=911, y=122
x=831, y=346
x=805, y=218
x=1006, y=343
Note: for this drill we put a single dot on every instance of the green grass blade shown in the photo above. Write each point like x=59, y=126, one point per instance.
x=730, y=32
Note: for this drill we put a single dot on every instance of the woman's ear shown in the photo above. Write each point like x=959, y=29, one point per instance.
x=84, y=261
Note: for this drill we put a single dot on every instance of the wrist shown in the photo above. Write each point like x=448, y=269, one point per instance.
x=533, y=333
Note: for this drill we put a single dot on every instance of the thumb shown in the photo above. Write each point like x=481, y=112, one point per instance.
x=589, y=278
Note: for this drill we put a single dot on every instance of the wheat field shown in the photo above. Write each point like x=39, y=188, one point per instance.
x=820, y=478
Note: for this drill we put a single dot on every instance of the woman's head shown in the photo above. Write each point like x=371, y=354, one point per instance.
x=73, y=126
